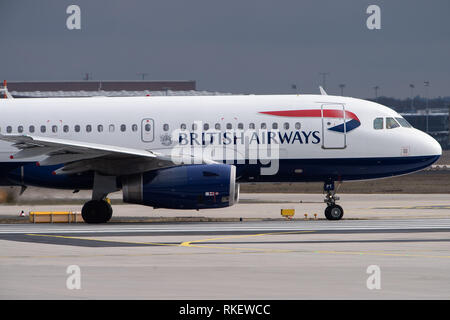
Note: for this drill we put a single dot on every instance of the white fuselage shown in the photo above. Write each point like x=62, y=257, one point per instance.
x=300, y=136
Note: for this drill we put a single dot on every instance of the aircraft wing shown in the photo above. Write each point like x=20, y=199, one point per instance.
x=80, y=156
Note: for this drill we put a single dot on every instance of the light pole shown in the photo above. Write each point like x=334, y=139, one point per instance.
x=143, y=75
x=412, y=97
x=426, y=84
x=342, y=86
x=376, y=88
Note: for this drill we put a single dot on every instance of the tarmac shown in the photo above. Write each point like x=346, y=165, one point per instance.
x=247, y=251
x=252, y=206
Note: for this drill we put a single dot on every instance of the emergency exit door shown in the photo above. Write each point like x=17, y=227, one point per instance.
x=147, y=130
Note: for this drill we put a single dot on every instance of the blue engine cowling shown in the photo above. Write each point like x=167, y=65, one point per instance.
x=183, y=187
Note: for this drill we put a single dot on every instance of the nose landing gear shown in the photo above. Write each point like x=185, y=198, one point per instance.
x=333, y=211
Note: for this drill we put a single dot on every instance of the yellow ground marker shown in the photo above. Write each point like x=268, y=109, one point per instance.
x=288, y=213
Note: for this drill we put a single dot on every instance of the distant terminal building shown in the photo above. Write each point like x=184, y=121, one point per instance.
x=435, y=123
x=91, y=85
x=90, y=88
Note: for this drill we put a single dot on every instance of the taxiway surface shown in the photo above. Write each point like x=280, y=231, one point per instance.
x=237, y=260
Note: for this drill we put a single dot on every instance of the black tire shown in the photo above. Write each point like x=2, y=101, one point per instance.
x=96, y=211
x=327, y=213
x=334, y=212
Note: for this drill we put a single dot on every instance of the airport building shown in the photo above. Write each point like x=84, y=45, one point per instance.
x=90, y=88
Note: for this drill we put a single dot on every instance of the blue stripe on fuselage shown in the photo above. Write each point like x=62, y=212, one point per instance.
x=311, y=170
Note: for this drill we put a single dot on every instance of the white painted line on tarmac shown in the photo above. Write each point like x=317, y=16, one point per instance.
x=238, y=226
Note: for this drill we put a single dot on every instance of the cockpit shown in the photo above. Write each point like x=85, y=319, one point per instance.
x=390, y=123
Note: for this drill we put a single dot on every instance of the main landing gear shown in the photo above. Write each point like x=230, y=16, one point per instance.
x=333, y=211
x=98, y=210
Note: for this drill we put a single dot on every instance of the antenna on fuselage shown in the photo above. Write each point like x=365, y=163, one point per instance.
x=322, y=91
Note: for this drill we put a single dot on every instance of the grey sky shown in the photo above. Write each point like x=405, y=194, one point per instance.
x=245, y=46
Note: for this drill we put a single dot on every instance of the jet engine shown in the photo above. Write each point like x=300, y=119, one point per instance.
x=202, y=186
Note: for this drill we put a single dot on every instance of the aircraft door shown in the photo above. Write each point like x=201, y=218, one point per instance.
x=333, y=126
x=147, y=130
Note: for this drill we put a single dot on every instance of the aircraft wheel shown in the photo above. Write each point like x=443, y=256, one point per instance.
x=334, y=212
x=96, y=211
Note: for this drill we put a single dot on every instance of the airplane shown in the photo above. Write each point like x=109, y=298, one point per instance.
x=192, y=152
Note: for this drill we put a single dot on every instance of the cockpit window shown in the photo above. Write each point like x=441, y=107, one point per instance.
x=378, y=123
x=403, y=122
x=391, y=123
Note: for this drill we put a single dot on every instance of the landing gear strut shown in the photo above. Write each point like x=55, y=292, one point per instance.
x=98, y=210
x=333, y=211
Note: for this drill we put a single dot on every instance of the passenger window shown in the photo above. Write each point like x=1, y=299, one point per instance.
x=20, y=129
x=378, y=123
x=43, y=129
x=182, y=127
x=263, y=125
x=9, y=129
x=111, y=128
x=66, y=128
x=123, y=128
x=229, y=126
x=134, y=127
x=31, y=129
x=217, y=126
x=251, y=126
x=298, y=125
x=391, y=123
x=148, y=127
x=194, y=127
x=77, y=128
x=274, y=125
x=166, y=127
x=100, y=128
x=286, y=126
x=54, y=129
x=240, y=126
x=88, y=128
x=205, y=127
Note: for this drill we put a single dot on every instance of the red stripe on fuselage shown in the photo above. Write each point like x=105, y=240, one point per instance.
x=315, y=113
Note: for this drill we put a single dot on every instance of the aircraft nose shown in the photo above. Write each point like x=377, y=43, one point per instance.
x=430, y=147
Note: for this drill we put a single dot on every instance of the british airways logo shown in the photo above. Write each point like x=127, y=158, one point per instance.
x=250, y=137
x=349, y=120
x=344, y=122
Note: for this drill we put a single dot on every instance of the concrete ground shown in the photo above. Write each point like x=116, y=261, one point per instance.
x=296, y=265
x=406, y=238
x=266, y=206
